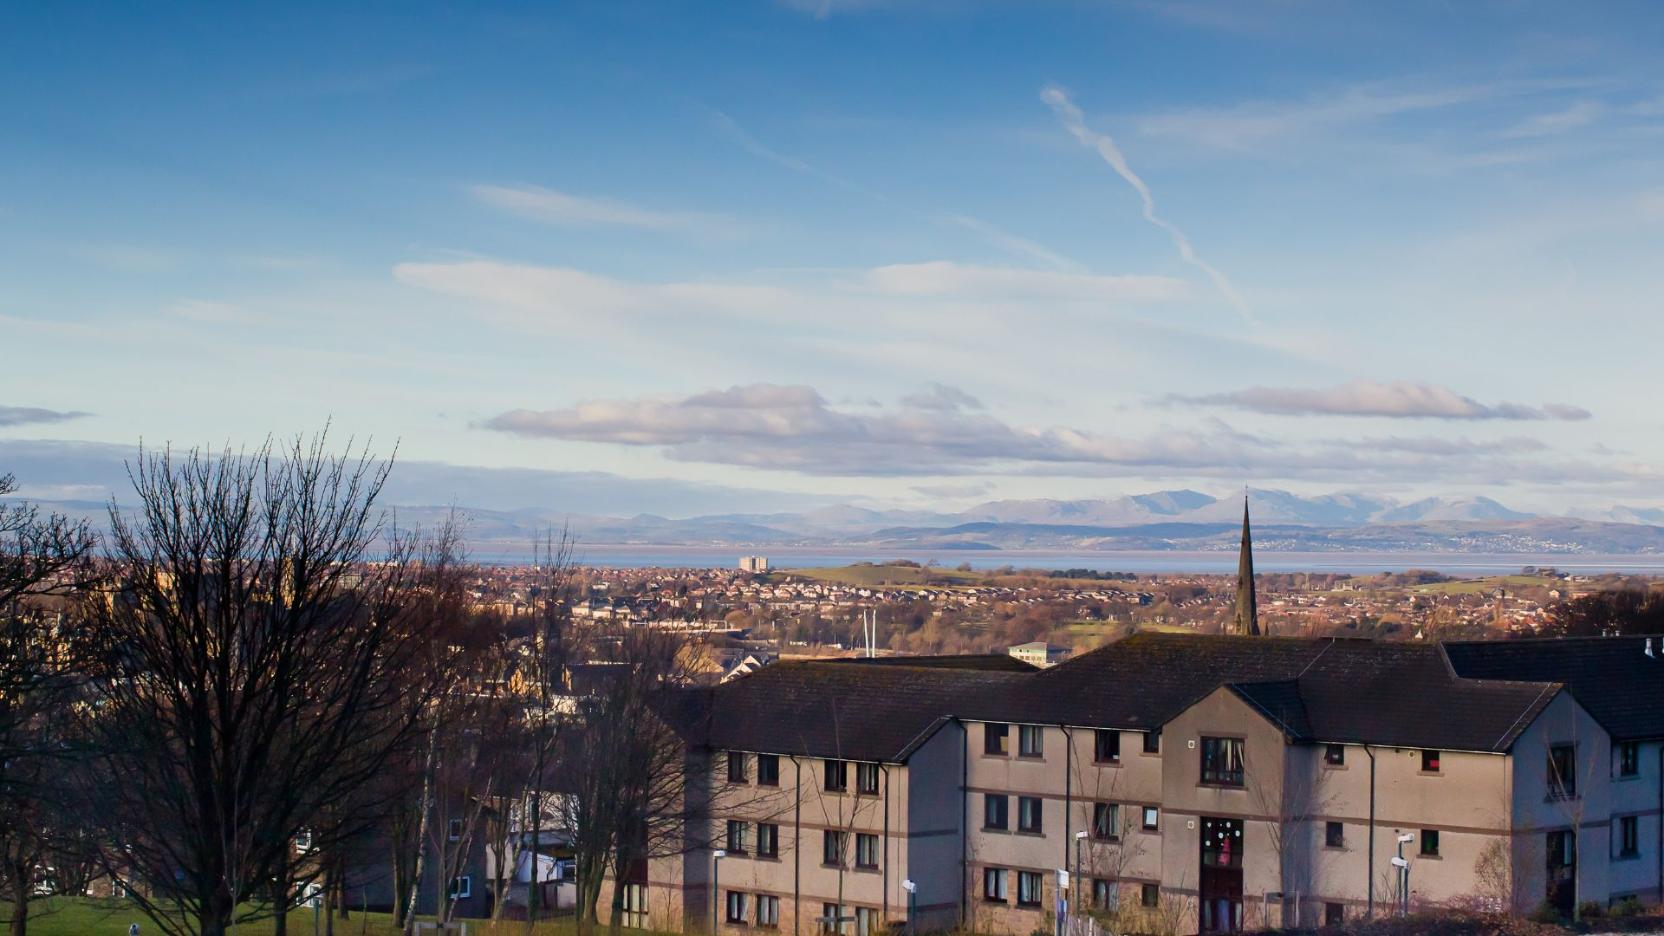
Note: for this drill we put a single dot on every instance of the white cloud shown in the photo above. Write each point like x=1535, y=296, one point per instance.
x=945, y=431
x=1104, y=145
x=548, y=205
x=945, y=278
x=1579, y=114
x=1400, y=399
x=540, y=297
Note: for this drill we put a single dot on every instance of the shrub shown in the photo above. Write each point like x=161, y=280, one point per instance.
x=1627, y=907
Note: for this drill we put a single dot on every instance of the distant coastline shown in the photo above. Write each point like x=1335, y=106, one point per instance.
x=1138, y=561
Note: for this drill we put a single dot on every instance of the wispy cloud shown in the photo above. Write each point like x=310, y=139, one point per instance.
x=541, y=297
x=554, y=207
x=1075, y=122
x=1400, y=399
x=28, y=415
x=945, y=278
x=1579, y=114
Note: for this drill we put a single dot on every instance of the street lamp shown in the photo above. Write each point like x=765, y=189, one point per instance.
x=912, y=890
x=1403, y=867
x=1080, y=893
x=716, y=894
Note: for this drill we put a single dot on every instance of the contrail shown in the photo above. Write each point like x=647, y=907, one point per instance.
x=1075, y=123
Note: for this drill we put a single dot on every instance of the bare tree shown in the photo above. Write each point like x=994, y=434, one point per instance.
x=256, y=667
x=541, y=674
x=1293, y=803
x=43, y=558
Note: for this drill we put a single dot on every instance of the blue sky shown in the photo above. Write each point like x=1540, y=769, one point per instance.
x=894, y=252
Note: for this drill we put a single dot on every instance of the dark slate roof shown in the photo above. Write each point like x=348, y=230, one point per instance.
x=1611, y=677
x=1316, y=689
x=837, y=710
x=991, y=662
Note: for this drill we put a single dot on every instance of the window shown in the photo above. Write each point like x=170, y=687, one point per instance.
x=1152, y=742
x=1028, y=888
x=1562, y=771
x=832, y=848
x=1629, y=759
x=993, y=884
x=736, y=767
x=1106, y=821
x=768, y=772
x=1149, y=895
x=635, y=906
x=1221, y=842
x=994, y=738
x=866, y=850
x=1028, y=814
x=1104, y=895
x=768, y=910
x=837, y=776
x=736, y=907
x=736, y=837
x=303, y=840
x=1222, y=761
x=1334, y=835
x=462, y=887
x=994, y=811
x=1152, y=818
x=1429, y=761
x=1334, y=755
x=866, y=779
x=1430, y=843
x=1334, y=914
x=1031, y=741
x=1629, y=836
x=768, y=840
x=831, y=918
x=866, y=921
x=453, y=830
x=1106, y=746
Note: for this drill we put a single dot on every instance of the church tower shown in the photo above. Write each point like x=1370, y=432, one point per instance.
x=1247, y=609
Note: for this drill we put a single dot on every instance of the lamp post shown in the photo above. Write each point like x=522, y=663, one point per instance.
x=1080, y=887
x=716, y=893
x=912, y=890
x=1403, y=867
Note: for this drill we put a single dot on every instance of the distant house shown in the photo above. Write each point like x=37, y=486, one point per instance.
x=1039, y=653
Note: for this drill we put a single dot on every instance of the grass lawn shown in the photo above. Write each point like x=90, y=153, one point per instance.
x=90, y=917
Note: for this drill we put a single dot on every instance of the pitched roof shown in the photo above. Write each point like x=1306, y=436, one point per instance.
x=843, y=710
x=991, y=662
x=1611, y=677
x=1316, y=689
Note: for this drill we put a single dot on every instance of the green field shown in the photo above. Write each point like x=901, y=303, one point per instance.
x=87, y=917
x=1484, y=585
x=867, y=576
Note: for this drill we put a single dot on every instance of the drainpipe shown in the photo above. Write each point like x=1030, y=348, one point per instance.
x=1370, y=913
x=886, y=859
x=964, y=825
x=1068, y=795
x=797, y=847
x=1661, y=822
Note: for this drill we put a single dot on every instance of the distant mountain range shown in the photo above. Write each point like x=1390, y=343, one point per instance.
x=1163, y=520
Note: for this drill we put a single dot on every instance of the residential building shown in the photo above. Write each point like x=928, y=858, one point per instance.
x=1236, y=781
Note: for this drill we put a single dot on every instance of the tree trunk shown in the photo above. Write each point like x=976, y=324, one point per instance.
x=280, y=897
x=421, y=836
x=21, y=885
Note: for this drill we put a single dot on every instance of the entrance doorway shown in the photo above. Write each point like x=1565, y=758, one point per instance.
x=1562, y=872
x=1220, y=894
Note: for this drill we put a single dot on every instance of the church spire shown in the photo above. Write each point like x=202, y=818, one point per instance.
x=1247, y=609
